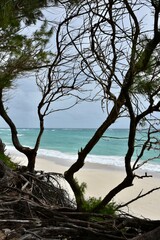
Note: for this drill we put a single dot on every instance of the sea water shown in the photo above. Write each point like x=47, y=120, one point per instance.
x=65, y=144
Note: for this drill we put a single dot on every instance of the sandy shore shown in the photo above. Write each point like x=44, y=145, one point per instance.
x=102, y=178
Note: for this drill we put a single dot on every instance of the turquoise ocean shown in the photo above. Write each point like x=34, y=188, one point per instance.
x=65, y=143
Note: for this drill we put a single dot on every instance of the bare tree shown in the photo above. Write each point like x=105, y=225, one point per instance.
x=29, y=55
x=105, y=46
x=118, y=52
x=56, y=78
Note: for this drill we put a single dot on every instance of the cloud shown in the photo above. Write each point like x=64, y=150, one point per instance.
x=22, y=108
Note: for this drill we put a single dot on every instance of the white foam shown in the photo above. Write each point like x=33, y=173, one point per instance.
x=109, y=160
x=117, y=161
x=57, y=154
x=5, y=129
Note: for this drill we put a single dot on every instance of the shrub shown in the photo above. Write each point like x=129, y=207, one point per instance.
x=92, y=202
x=7, y=161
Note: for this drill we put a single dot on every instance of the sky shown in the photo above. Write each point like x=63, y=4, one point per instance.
x=24, y=98
x=22, y=109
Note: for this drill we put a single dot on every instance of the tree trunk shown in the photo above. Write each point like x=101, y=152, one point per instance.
x=77, y=191
x=31, y=155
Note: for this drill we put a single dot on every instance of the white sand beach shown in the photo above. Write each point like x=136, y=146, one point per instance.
x=102, y=178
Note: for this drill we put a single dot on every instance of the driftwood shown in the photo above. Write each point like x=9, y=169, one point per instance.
x=152, y=235
x=35, y=206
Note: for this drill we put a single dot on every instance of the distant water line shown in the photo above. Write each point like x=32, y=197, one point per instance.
x=65, y=143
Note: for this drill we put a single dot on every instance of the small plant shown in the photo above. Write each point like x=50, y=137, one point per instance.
x=92, y=202
x=83, y=187
x=7, y=161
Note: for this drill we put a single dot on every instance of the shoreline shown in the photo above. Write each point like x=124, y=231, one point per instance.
x=101, y=178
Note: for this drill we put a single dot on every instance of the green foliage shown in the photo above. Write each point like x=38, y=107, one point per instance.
x=7, y=161
x=146, y=81
x=12, y=12
x=92, y=202
x=83, y=187
x=20, y=54
x=146, y=87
